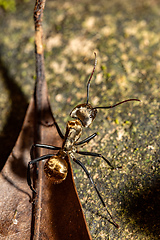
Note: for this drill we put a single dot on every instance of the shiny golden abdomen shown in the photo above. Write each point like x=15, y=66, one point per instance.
x=56, y=169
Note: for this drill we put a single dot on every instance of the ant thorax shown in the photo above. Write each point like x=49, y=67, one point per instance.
x=73, y=133
x=85, y=113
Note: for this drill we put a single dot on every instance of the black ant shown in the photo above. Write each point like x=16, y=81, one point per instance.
x=56, y=166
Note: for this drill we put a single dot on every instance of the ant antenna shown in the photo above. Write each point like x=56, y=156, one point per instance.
x=128, y=100
x=88, y=84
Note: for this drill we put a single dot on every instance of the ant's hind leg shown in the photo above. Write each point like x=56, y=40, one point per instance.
x=28, y=169
x=29, y=178
x=110, y=219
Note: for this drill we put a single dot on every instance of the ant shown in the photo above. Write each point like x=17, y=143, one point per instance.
x=56, y=166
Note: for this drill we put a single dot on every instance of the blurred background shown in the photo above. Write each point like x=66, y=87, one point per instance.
x=126, y=38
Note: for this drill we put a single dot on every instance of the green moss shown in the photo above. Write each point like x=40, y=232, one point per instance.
x=125, y=37
x=116, y=121
x=8, y=5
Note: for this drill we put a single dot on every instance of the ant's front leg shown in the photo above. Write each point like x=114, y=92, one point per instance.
x=97, y=155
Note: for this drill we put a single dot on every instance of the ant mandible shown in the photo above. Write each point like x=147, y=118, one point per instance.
x=56, y=167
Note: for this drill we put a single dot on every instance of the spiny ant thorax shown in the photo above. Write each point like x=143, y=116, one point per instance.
x=85, y=113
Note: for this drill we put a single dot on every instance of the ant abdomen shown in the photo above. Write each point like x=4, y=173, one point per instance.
x=56, y=169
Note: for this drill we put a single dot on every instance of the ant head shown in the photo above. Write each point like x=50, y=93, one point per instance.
x=85, y=113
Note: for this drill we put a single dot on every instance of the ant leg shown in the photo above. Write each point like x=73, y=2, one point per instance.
x=86, y=140
x=29, y=179
x=46, y=146
x=28, y=169
x=38, y=159
x=96, y=155
x=98, y=193
x=43, y=146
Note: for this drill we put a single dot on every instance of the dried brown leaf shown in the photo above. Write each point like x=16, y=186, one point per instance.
x=55, y=212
